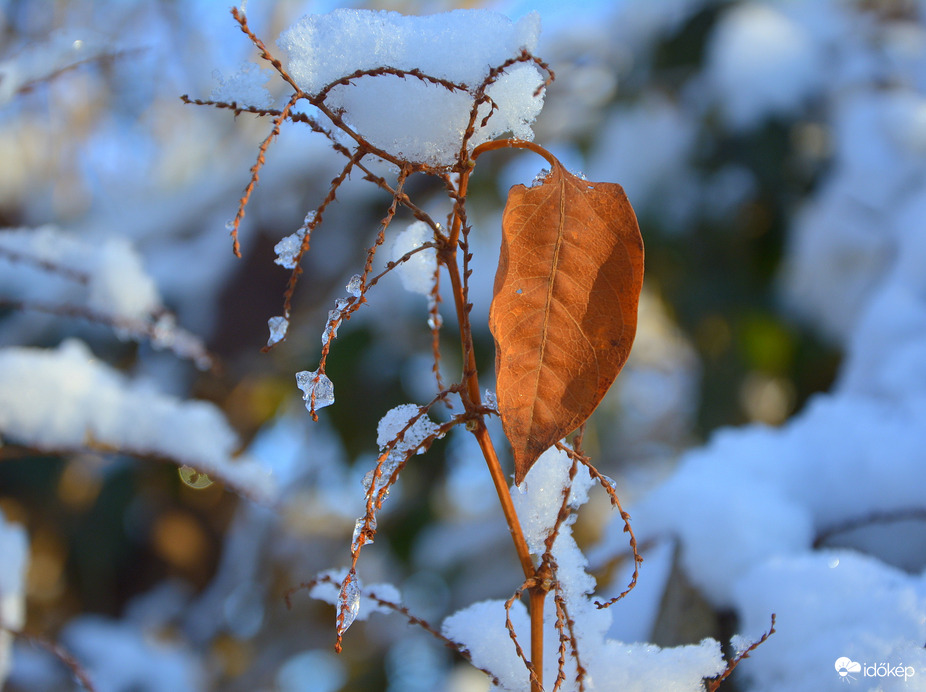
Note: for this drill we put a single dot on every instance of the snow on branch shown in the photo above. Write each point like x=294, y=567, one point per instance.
x=64, y=399
x=102, y=281
x=46, y=60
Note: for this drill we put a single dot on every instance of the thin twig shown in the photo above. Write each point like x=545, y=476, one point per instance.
x=628, y=529
x=255, y=172
x=714, y=683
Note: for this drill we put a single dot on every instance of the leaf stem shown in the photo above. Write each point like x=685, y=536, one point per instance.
x=495, y=144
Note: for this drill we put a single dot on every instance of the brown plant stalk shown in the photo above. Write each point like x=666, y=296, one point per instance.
x=452, y=250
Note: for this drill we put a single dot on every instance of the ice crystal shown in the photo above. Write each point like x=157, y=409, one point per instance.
x=359, y=539
x=541, y=177
x=354, y=286
x=395, y=420
x=491, y=400
x=318, y=384
x=331, y=327
x=334, y=320
x=388, y=467
x=348, y=602
x=278, y=328
x=288, y=249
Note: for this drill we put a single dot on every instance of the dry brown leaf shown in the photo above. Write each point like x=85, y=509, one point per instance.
x=564, y=311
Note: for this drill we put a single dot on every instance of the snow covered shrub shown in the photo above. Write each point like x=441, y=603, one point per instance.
x=428, y=96
x=773, y=153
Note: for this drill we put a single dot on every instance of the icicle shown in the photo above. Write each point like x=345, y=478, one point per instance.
x=348, y=602
x=355, y=542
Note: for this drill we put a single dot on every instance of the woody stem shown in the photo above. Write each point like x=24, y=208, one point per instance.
x=473, y=403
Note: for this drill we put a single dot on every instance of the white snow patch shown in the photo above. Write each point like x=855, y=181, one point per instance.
x=66, y=399
x=409, y=117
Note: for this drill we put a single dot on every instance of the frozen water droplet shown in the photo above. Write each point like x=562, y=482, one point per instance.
x=331, y=328
x=278, y=328
x=193, y=478
x=340, y=304
x=355, y=542
x=230, y=225
x=387, y=469
x=541, y=177
x=318, y=384
x=309, y=219
x=610, y=481
x=348, y=603
x=491, y=400
x=353, y=286
x=288, y=249
x=522, y=488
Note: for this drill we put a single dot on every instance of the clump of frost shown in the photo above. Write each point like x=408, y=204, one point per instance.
x=14, y=547
x=387, y=430
x=408, y=117
x=397, y=418
x=288, y=249
x=608, y=662
x=354, y=286
x=244, y=87
x=64, y=399
x=318, y=385
x=417, y=272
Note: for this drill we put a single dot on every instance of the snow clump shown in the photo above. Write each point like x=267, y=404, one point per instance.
x=413, y=118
